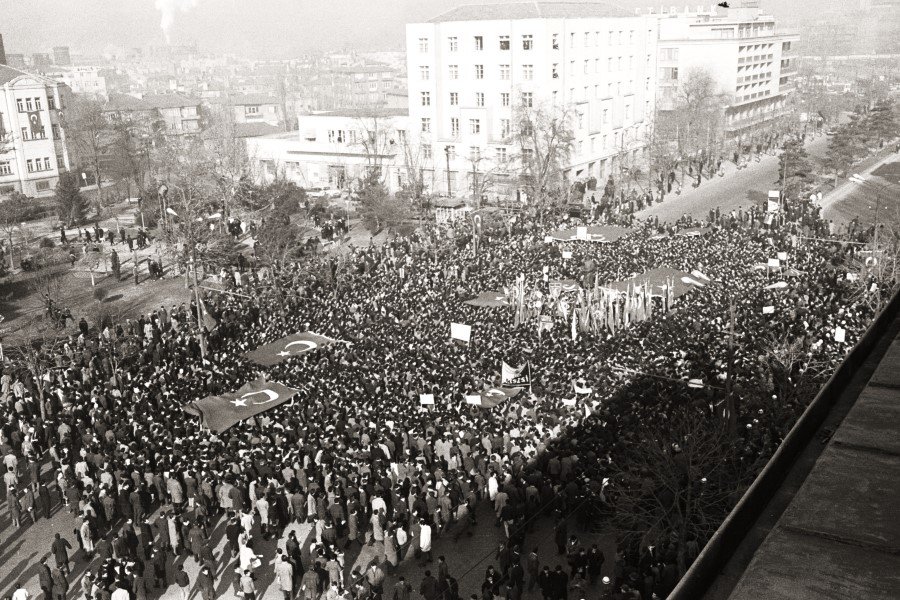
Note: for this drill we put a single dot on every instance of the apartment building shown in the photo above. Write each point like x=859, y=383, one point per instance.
x=255, y=108
x=174, y=114
x=81, y=79
x=32, y=142
x=751, y=62
x=472, y=68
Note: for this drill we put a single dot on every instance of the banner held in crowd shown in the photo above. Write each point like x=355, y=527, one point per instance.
x=492, y=397
x=489, y=300
x=516, y=376
x=221, y=412
x=276, y=352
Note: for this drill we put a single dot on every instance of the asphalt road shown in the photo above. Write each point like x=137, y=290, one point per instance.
x=728, y=192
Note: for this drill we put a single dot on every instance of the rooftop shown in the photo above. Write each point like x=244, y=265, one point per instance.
x=245, y=130
x=7, y=74
x=360, y=113
x=531, y=10
x=148, y=102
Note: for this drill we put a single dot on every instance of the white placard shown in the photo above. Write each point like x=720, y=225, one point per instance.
x=768, y=310
x=567, y=254
x=581, y=233
x=782, y=256
x=774, y=263
x=568, y=401
x=473, y=399
x=840, y=334
x=426, y=399
x=774, y=194
x=458, y=331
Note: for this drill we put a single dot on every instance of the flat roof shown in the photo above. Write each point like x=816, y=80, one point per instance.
x=531, y=10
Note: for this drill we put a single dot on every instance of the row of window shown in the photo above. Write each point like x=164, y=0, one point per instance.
x=614, y=38
x=613, y=89
x=612, y=64
x=37, y=165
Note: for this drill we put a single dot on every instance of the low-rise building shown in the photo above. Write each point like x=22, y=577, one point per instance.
x=177, y=114
x=32, y=142
x=81, y=80
x=335, y=149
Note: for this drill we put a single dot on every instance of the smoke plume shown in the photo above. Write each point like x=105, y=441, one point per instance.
x=168, y=9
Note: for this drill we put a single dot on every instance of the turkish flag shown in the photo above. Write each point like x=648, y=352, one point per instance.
x=35, y=125
x=276, y=352
x=222, y=412
x=493, y=397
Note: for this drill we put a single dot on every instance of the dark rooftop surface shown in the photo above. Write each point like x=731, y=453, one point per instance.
x=839, y=535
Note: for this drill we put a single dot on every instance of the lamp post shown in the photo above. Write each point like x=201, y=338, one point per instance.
x=447, y=155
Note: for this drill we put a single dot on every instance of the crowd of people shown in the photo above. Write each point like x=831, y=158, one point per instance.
x=97, y=421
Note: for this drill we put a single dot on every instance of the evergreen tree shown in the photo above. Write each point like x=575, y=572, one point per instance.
x=71, y=204
x=881, y=122
x=795, y=172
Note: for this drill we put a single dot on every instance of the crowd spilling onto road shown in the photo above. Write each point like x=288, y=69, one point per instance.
x=356, y=456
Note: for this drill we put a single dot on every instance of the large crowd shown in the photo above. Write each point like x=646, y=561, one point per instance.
x=356, y=455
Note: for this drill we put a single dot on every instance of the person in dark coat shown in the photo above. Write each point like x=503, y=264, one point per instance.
x=561, y=535
x=429, y=587
x=545, y=582
x=559, y=584
x=595, y=561
x=60, y=584
x=45, y=579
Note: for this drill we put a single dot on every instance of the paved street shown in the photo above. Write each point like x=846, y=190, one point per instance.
x=729, y=192
x=467, y=558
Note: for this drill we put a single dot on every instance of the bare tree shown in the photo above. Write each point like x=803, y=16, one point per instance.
x=545, y=140
x=39, y=345
x=89, y=133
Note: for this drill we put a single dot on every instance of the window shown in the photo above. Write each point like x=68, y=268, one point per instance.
x=454, y=71
x=401, y=135
x=555, y=71
x=20, y=104
x=596, y=65
x=5, y=168
x=611, y=40
x=424, y=73
x=597, y=90
x=668, y=73
x=586, y=63
x=609, y=65
x=426, y=152
x=527, y=42
x=556, y=41
x=587, y=39
x=251, y=110
x=627, y=112
x=29, y=164
x=527, y=99
x=479, y=71
x=451, y=152
x=423, y=45
x=668, y=54
x=527, y=154
x=571, y=67
x=37, y=104
x=29, y=104
x=479, y=42
x=605, y=116
x=474, y=152
x=42, y=186
x=504, y=42
x=426, y=125
x=454, y=98
x=479, y=99
x=454, y=43
x=631, y=36
x=505, y=128
x=426, y=98
x=474, y=126
x=454, y=127
x=528, y=72
x=51, y=102
x=504, y=98
x=46, y=164
x=501, y=155
x=504, y=72
x=25, y=135
x=55, y=129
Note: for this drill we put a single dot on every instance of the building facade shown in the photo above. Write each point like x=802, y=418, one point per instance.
x=255, y=108
x=81, y=80
x=473, y=68
x=335, y=149
x=32, y=142
x=751, y=63
x=173, y=114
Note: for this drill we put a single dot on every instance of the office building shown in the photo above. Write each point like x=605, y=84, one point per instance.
x=473, y=68
x=751, y=63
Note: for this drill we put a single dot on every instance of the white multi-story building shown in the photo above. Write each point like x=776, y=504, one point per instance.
x=334, y=149
x=472, y=68
x=32, y=141
x=751, y=63
x=81, y=79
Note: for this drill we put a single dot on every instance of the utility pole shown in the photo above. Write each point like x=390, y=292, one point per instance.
x=197, y=300
x=447, y=155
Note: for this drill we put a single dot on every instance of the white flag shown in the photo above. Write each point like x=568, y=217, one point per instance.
x=458, y=331
x=699, y=275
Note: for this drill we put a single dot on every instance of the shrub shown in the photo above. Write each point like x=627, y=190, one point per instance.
x=46, y=243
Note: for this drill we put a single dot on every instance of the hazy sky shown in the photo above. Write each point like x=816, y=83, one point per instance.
x=260, y=28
